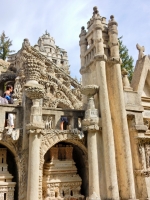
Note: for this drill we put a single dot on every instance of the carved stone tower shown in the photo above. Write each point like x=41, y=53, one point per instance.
x=100, y=65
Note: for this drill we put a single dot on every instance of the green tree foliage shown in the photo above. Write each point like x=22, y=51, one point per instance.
x=5, y=44
x=127, y=61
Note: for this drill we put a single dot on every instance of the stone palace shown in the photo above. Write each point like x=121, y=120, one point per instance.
x=75, y=141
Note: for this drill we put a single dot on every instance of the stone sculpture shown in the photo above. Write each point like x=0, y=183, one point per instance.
x=141, y=49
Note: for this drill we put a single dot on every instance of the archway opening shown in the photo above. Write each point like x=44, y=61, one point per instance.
x=11, y=169
x=78, y=171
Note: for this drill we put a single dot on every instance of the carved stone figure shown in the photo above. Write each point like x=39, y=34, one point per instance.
x=40, y=42
x=141, y=49
x=25, y=43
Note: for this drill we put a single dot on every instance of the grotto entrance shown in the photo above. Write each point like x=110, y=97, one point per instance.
x=65, y=173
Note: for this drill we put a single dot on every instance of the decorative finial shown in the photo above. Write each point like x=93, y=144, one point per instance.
x=95, y=9
x=82, y=28
x=47, y=33
x=112, y=17
x=83, y=31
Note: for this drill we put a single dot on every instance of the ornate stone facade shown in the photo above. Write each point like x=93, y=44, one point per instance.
x=60, y=180
x=74, y=141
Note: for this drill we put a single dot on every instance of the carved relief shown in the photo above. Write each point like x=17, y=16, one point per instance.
x=48, y=122
x=144, y=150
x=147, y=152
x=147, y=123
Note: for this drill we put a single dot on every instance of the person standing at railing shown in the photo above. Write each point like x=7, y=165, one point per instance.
x=8, y=96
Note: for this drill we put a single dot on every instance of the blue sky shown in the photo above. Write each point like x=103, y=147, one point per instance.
x=63, y=20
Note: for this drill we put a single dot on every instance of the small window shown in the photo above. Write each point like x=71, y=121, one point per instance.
x=71, y=193
x=56, y=194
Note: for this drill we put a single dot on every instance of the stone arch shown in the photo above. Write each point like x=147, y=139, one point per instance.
x=63, y=104
x=50, y=140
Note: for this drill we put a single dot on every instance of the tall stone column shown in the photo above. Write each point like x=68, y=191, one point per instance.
x=83, y=46
x=35, y=127
x=107, y=130
x=118, y=112
x=91, y=124
x=34, y=91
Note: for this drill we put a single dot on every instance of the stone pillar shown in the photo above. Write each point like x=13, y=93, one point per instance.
x=35, y=92
x=118, y=112
x=107, y=130
x=90, y=123
x=83, y=46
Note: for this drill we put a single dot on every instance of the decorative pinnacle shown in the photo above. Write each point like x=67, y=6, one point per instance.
x=112, y=17
x=95, y=9
x=82, y=28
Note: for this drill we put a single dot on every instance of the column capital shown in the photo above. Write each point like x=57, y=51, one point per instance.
x=35, y=128
x=34, y=92
x=90, y=124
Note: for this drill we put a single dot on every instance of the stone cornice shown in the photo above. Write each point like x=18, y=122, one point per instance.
x=33, y=127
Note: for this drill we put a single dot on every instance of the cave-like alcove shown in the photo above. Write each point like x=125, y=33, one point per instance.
x=80, y=160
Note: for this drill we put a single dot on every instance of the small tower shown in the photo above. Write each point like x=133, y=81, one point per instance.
x=7, y=187
x=46, y=46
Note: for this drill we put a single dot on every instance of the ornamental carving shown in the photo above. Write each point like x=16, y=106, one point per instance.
x=147, y=123
x=59, y=89
x=144, y=152
x=48, y=122
x=34, y=92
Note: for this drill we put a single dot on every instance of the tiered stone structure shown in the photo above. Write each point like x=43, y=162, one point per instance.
x=7, y=186
x=61, y=180
x=118, y=104
x=46, y=46
x=107, y=121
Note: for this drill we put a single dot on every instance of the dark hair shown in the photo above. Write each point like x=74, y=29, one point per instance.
x=9, y=87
